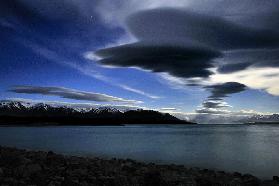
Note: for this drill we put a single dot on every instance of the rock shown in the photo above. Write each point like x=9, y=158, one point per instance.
x=128, y=167
x=237, y=174
x=249, y=180
x=10, y=181
x=269, y=183
x=25, y=161
x=32, y=168
x=59, y=178
x=236, y=182
x=39, y=156
x=1, y=172
x=79, y=172
x=12, y=159
x=20, y=171
x=106, y=180
x=69, y=181
x=53, y=183
x=84, y=183
x=202, y=181
x=153, y=178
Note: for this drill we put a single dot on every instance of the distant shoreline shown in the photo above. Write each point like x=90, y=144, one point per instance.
x=262, y=123
x=24, y=167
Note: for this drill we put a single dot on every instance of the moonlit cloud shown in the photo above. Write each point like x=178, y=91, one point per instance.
x=251, y=13
x=256, y=78
x=176, y=60
x=125, y=87
x=237, y=60
x=168, y=109
x=215, y=104
x=69, y=94
x=212, y=111
x=116, y=12
x=220, y=91
x=91, y=56
x=200, y=29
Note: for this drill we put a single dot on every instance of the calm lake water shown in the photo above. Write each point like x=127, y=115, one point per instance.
x=247, y=149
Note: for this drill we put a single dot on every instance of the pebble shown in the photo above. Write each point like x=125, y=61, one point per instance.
x=1, y=171
x=50, y=169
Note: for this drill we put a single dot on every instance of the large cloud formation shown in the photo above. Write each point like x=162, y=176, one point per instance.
x=161, y=49
x=177, y=60
x=238, y=60
x=217, y=32
x=215, y=103
x=69, y=94
x=252, y=13
x=221, y=91
x=169, y=40
x=187, y=44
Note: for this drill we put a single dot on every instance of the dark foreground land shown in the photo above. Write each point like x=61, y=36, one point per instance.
x=21, y=167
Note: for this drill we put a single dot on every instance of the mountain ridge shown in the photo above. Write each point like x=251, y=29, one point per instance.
x=15, y=112
x=269, y=119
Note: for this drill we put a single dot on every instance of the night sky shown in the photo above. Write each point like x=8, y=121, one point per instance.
x=192, y=58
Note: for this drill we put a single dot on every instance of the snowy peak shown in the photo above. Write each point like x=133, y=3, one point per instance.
x=14, y=105
x=16, y=112
x=264, y=118
x=43, y=107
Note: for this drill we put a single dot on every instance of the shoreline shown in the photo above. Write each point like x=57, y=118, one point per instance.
x=26, y=167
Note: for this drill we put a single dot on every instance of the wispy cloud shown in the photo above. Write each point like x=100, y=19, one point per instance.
x=84, y=69
x=70, y=94
x=168, y=109
x=91, y=56
x=6, y=24
x=125, y=87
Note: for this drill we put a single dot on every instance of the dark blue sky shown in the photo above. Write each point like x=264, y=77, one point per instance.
x=182, y=57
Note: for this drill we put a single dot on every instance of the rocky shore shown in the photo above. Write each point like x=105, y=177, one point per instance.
x=22, y=167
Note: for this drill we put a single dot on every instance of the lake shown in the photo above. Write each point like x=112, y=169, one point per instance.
x=250, y=149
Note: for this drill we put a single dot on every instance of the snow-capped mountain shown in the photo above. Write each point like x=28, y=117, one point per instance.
x=263, y=118
x=17, y=112
x=14, y=104
x=18, y=105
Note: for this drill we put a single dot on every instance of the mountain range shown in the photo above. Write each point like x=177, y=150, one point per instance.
x=16, y=112
x=273, y=118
